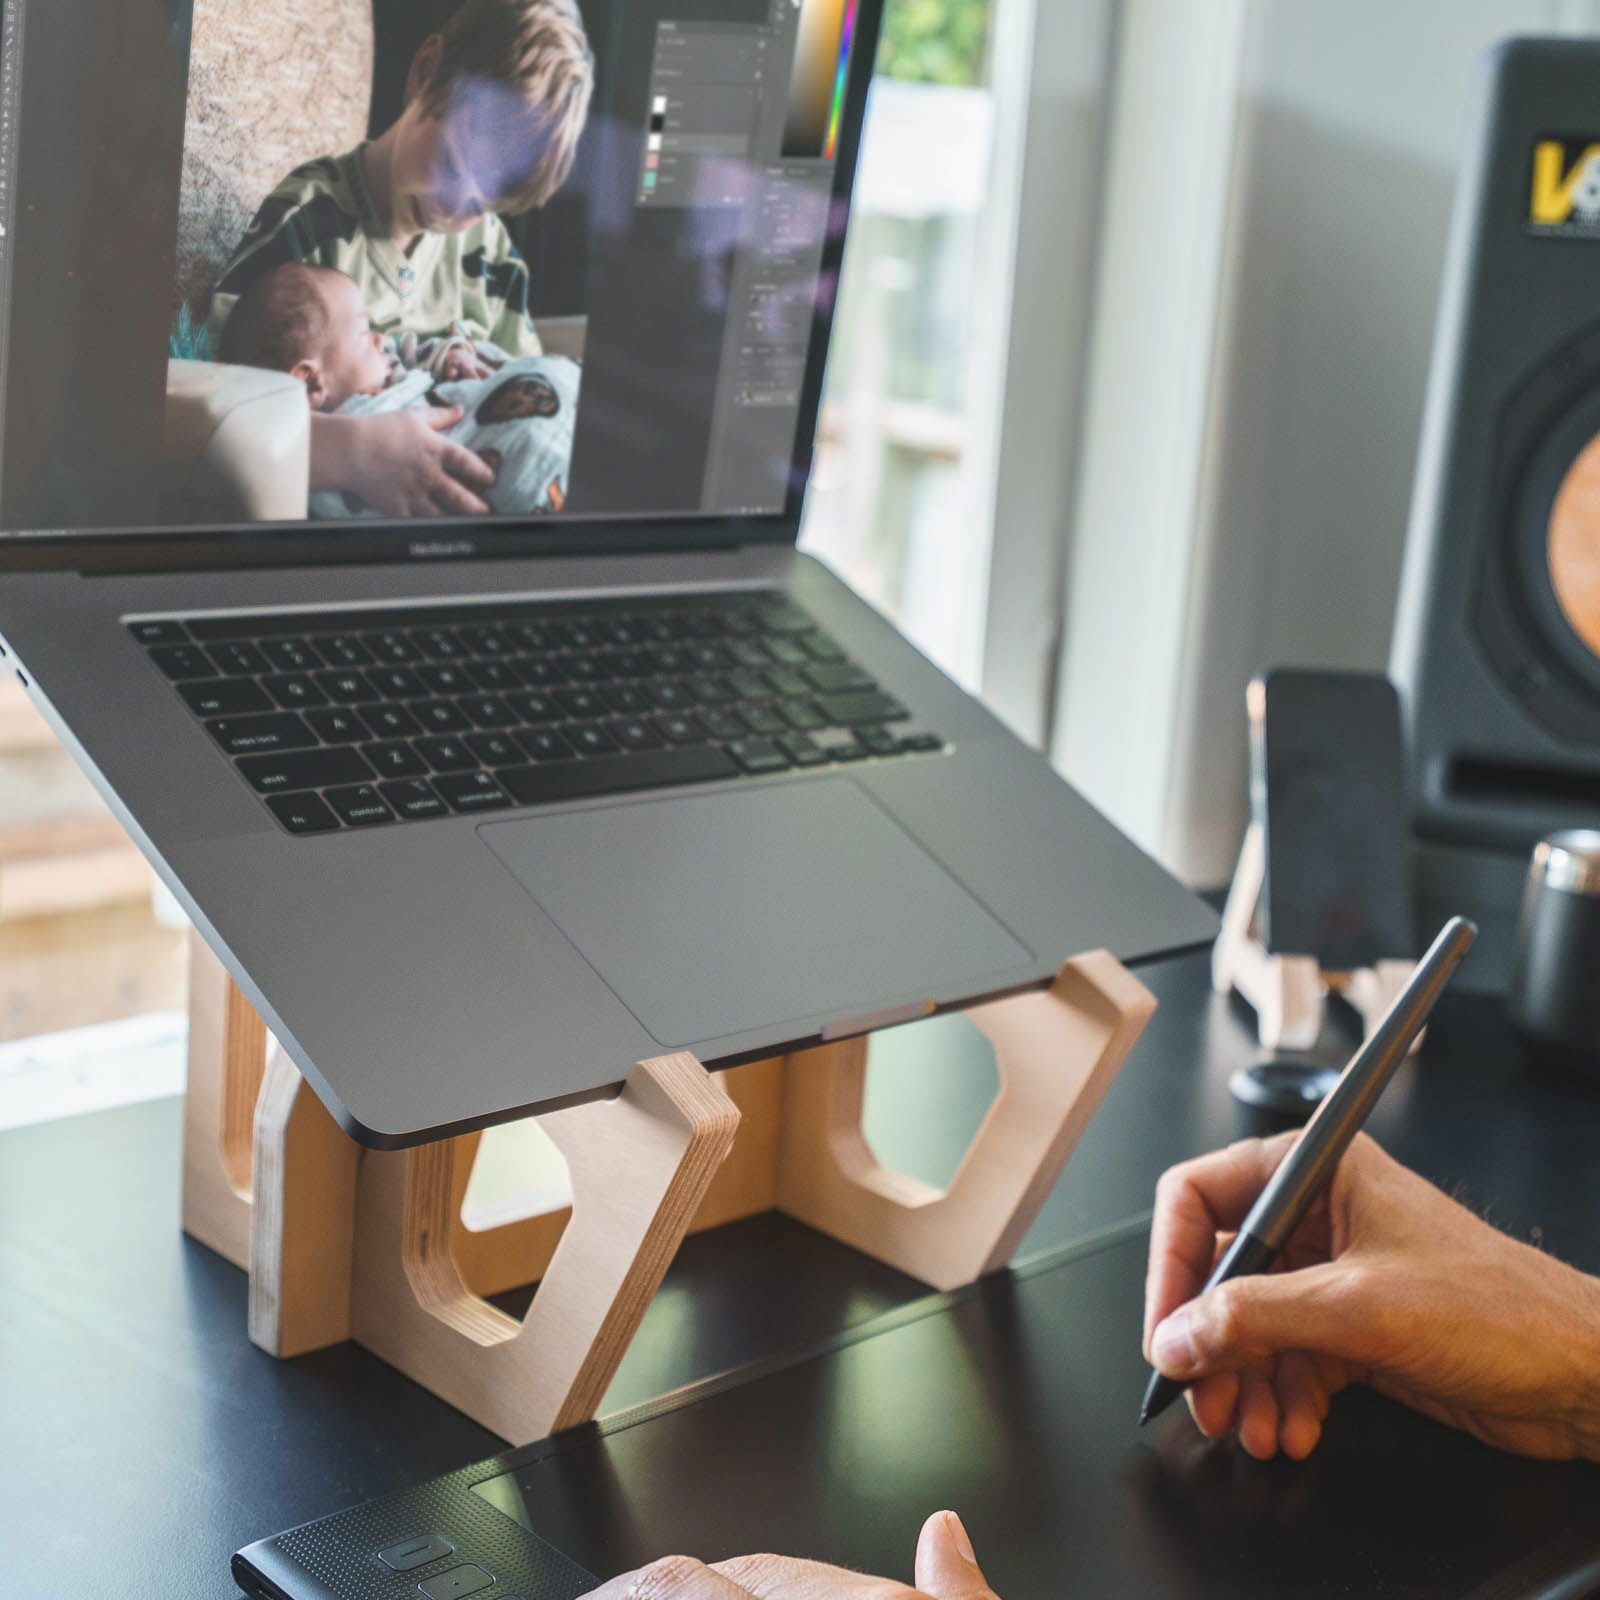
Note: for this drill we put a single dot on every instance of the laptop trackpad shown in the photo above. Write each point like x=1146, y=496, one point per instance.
x=712, y=914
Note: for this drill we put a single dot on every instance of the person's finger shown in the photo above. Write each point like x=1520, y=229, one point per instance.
x=1195, y=1201
x=441, y=417
x=1249, y=1319
x=671, y=1578
x=770, y=1577
x=1302, y=1402
x=467, y=466
x=1213, y=1403
x=454, y=499
x=947, y=1569
x=1258, y=1418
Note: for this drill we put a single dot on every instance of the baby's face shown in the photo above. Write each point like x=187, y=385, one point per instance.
x=352, y=357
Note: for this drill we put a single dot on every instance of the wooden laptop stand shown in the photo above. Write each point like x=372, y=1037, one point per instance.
x=343, y=1242
x=1287, y=993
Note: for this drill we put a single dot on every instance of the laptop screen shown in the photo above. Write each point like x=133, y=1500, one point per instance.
x=361, y=266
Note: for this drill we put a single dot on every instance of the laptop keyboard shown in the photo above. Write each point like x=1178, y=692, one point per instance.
x=362, y=718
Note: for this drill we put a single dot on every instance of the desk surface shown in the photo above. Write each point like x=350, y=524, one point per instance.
x=144, y=1438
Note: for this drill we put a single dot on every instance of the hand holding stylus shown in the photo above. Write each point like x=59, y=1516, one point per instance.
x=1388, y=1282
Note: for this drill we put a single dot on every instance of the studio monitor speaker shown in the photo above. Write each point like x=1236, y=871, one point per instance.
x=1497, y=639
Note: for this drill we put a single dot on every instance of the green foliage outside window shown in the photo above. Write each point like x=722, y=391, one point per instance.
x=935, y=41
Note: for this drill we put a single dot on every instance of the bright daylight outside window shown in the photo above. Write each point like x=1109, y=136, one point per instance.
x=892, y=506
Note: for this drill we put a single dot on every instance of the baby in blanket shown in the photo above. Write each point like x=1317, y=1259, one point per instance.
x=309, y=321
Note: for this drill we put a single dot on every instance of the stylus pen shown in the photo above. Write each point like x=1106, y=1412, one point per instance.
x=1309, y=1166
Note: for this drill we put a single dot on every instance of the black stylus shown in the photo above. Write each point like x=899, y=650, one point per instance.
x=1309, y=1167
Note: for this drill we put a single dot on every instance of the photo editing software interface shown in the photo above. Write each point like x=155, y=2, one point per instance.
x=273, y=264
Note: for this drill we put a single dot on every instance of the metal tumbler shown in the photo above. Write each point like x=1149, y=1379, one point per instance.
x=1554, y=998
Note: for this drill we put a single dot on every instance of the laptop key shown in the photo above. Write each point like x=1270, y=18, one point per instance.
x=710, y=689
x=442, y=679
x=724, y=725
x=291, y=655
x=819, y=647
x=180, y=661
x=538, y=672
x=801, y=715
x=413, y=799
x=788, y=652
x=785, y=680
x=390, y=722
x=294, y=691
x=834, y=676
x=159, y=632
x=650, y=769
x=922, y=743
x=489, y=711
x=472, y=791
x=360, y=806
x=878, y=741
x=534, y=707
x=681, y=730
x=632, y=734
x=438, y=644
x=223, y=697
x=581, y=703
x=486, y=641
x=589, y=740
x=392, y=646
x=626, y=697
x=302, y=813
x=337, y=725
x=343, y=650
x=545, y=744
x=394, y=758
x=349, y=688
x=441, y=716
x=672, y=696
x=785, y=618
x=277, y=730
x=802, y=750
x=496, y=676
x=496, y=749
x=758, y=755
x=867, y=705
x=309, y=769
x=238, y=660
x=397, y=683
x=763, y=719
x=447, y=755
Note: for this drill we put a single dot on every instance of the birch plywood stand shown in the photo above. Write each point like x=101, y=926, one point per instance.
x=1286, y=992
x=341, y=1242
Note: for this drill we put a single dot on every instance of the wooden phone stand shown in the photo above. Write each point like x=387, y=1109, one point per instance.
x=343, y=1242
x=1286, y=992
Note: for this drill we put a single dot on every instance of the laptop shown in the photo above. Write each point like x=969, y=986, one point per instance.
x=407, y=418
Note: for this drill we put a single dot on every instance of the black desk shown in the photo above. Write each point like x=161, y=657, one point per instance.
x=142, y=1438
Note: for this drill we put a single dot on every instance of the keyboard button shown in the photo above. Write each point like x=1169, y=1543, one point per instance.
x=681, y=730
x=441, y=716
x=589, y=740
x=397, y=683
x=785, y=618
x=583, y=669
x=724, y=725
x=820, y=647
x=159, y=632
x=801, y=715
x=343, y=650
x=495, y=676
x=581, y=703
x=294, y=691
x=489, y=711
x=787, y=681
x=750, y=685
x=832, y=677
x=302, y=813
x=531, y=636
x=626, y=697
x=496, y=749
x=392, y=646
x=879, y=741
x=538, y=672
x=438, y=644
x=749, y=653
x=758, y=755
x=672, y=697
x=336, y=726
x=311, y=769
x=183, y=661
x=446, y=680
x=416, y=1552
x=390, y=722
x=921, y=743
x=868, y=705
x=486, y=641
x=707, y=657
x=802, y=750
x=394, y=758
x=763, y=719
x=788, y=652
x=535, y=708
x=573, y=636
x=457, y=1583
x=349, y=688
x=569, y=780
x=545, y=744
x=278, y=730
x=238, y=660
x=291, y=655
x=447, y=755
x=632, y=734
x=412, y=800
x=360, y=806
x=223, y=697
x=710, y=689
x=472, y=791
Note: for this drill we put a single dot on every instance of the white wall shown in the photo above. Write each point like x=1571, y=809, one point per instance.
x=1348, y=120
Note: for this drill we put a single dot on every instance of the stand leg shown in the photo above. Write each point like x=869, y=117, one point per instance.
x=1372, y=990
x=1057, y=1052
x=227, y=1056
x=640, y=1166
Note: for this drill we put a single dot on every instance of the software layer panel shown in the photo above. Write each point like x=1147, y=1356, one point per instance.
x=706, y=88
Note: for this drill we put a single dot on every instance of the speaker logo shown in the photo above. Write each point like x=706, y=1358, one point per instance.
x=1564, y=200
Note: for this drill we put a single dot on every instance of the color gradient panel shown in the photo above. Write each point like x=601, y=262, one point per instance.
x=817, y=80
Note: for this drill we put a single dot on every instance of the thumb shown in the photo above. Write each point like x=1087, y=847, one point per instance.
x=440, y=417
x=946, y=1566
x=1249, y=1319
